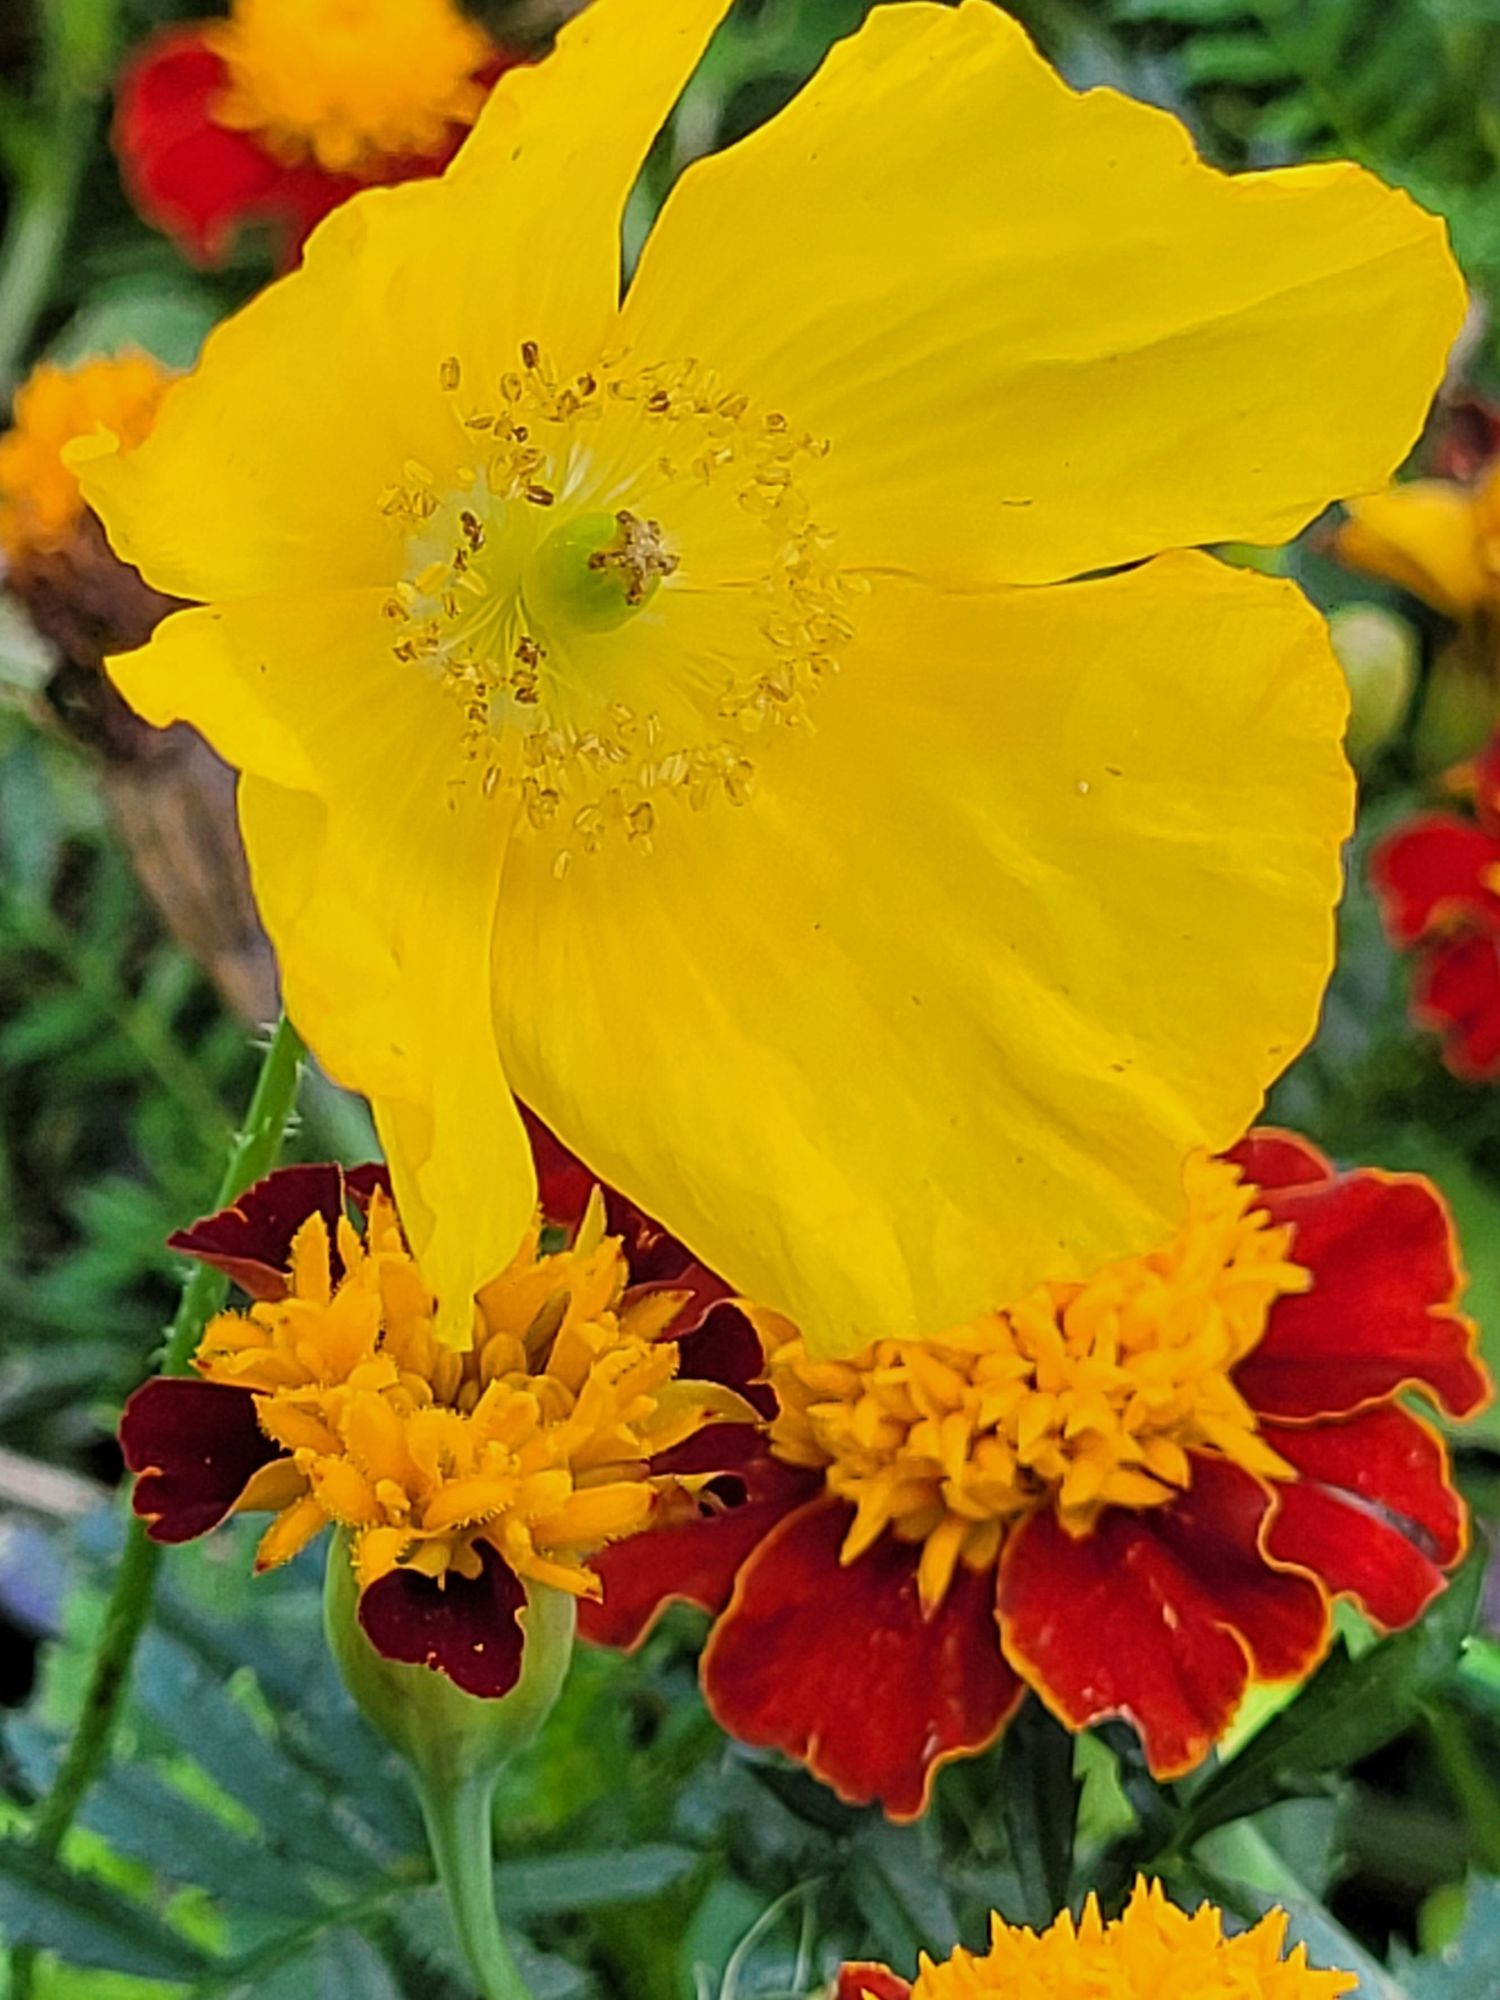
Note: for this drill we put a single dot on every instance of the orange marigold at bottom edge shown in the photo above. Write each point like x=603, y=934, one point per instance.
x=1437, y=877
x=1132, y=1495
x=458, y=1476
x=1153, y=1951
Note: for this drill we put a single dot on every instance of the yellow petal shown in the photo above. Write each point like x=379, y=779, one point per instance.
x=1041, y=336
x=266, y=467
x=380, y=902
x=1423, y=536
x=1040, y=907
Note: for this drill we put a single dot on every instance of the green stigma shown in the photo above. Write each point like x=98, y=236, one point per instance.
x=596, y=572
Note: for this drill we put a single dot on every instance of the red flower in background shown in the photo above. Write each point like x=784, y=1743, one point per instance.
x=1438, y=881
x=283, y=111
x=1132, y=1496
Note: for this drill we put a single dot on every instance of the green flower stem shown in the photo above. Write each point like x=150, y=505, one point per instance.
x=461, y=1835
x=253, y=1154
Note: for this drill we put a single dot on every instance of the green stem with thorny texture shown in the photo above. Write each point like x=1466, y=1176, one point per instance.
x=253, y=1154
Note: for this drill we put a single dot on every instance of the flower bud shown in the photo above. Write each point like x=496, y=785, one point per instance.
x=1378, y=653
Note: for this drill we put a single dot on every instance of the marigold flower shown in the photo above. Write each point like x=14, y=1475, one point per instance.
x=456, y=1477
x=286, y=109
x=1132, y=1494
x=1152, y=1951
x=1437, y=877
x=40, y=502
x=658, y=676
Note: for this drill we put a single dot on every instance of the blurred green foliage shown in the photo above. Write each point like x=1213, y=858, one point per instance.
x=251, y=1838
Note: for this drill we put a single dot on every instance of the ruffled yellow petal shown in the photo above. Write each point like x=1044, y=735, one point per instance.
x=378, y=889
x=1424, y=536
x=1041, y=336
x=308, y=403
x=1040, y=907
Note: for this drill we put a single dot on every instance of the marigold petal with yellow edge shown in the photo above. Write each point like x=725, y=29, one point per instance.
x=1161, y=329
x=961, y=944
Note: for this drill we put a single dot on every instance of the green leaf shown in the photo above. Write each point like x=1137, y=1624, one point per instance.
x=564, y=1882
x=47, y=1905
x=1349, y=1709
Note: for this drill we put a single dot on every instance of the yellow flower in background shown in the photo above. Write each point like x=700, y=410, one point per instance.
x=678, y=711
x=1436, y=538
x=40, y=504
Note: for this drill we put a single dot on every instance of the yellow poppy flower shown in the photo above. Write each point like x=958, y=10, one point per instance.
x=650, y=707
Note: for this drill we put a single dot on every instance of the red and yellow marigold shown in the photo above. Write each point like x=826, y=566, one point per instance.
x=1132, y=1494
x=457, y=1478
x=1152, y=1951
x=1437, y=876
x=281, y=112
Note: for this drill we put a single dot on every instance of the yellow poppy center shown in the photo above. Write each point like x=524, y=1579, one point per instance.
x=1083, y=1396
x=1154, y=1951
x=40, y=502
x=348, y=84
x=536, y=1439
x=622, y=584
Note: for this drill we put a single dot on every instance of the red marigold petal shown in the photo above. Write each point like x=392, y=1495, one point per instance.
x=724, y=1347
x=251, y=1240
x=1373, y=1515
x=194, y=1448
x=692, y=1562
x=1271, y=1158
x=1157, y=1616
x=1381, y=1314
x=466, y=1628
x=870, y=1982
x=1456, y=992
x=835, y=1665
x=188, y=175
x=1432, y=870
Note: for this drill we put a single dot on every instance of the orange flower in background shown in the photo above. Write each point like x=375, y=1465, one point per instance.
x=1437, y=877
x=1153, y=1951
x=1437, y=538
x=40, y=502
x=1132, y=1495
x=458, y=1479
x=280, y=113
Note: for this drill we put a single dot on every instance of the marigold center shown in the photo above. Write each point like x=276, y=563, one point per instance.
x=536, y=1440
x=349, y=84
x=619, y=578
x=1082, y=1396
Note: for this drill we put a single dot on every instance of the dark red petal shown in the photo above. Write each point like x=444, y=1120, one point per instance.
x=1374, y=1514
x=1276, y=1159
x=360, y=1183
x=1381, y=1313
x=1456, y=992
x=251, y=1240
x=835, y=1664
x=870, y=1982
x=724, y=1347
x=656, y=1259
x=194, y=1448
x=1431, y=872
x=693, y=1561
x=1158, y=1616
x=1487, y=786
x=467, y=1629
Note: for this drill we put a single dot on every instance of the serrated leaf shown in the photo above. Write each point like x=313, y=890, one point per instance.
x=85, y=1923
x=1349, y=1709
